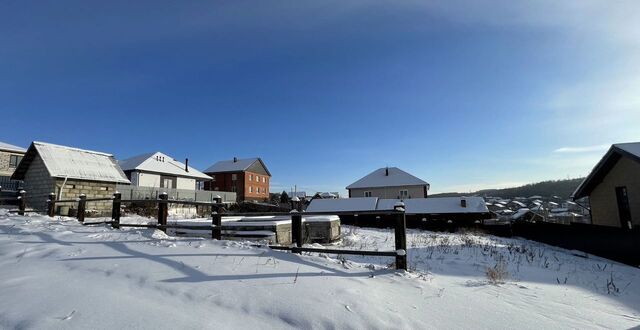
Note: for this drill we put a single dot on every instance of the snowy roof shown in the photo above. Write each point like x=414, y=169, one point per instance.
x=72, y=163
x=343, y=205
x=431, y=205
x=235, y=165
x=521, y=212
x=158, y=162
x=11, y=147
x=608, y=161
x=437, y=205
x=387, y=177
x=519, y=203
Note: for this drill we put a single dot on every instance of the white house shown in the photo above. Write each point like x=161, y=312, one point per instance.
x=161, y=171
x=389, y=182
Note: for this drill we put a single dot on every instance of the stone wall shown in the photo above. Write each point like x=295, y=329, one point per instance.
x=38, y=185
x=92, y=189
x=5, y=156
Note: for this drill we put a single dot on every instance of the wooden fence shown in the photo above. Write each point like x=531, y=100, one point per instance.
x=297, y=230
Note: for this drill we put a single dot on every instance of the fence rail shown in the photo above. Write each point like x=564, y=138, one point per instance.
x=297, y=230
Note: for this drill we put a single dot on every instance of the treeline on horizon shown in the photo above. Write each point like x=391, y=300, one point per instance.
x=561, y=188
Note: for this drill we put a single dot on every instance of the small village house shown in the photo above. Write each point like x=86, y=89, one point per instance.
x=389, y=182
x=158, y=170
x=613, y=187
x=68, y=172
x=249, y=178
x=10, y=157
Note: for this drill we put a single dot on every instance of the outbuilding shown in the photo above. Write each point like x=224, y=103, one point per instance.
x=68, y=172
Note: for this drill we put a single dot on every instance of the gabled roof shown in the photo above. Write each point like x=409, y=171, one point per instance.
x=236, y=165
x=11, y=147
x=387, y=177
x=72, y=163
x=608, y=161
x=158, y=162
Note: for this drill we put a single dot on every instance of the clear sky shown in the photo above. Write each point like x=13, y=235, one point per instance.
x=464, y=94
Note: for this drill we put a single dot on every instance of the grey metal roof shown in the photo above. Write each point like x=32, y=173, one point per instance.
x=395, y=178
x=11, y=147
x=158, y=162
x=235, y=165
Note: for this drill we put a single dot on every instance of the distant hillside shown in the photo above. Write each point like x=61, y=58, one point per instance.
x=562, y=188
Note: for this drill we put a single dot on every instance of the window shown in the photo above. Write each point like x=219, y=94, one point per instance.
x=14, y=160
x=250, y=189
x=404, y=193
x=234, y=177
x=367, y=194
x=250, y=177
x=257, y=178
x=264, y=179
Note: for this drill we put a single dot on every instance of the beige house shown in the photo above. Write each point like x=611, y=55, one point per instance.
x=613, y=187
x=68, y=172
x=389, y=182
x=10, y=157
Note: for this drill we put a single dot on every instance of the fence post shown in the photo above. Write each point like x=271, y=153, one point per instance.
x=115, y=210
x=163, y=211
x=22, y=203
x=51, y=205
x=401, y=236
x=82, y=204
x=216, y=221
x=296, y=228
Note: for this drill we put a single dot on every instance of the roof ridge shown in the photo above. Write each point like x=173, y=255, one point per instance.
x=72, y=148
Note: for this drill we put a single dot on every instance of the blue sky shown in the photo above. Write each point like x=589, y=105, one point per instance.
x=463, y=94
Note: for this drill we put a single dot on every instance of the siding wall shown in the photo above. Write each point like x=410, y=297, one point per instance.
x=604, y=204
x=389, y=192
x=186, y=183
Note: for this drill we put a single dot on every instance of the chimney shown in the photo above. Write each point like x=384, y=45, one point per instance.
x=386, y=171
x=463, y=202
x=186, y=164
x=235, y=159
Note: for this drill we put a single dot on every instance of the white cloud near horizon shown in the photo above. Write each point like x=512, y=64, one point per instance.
x=583, y=149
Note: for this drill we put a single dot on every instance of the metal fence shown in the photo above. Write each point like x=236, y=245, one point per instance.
x=9, y=185
x=135, y=192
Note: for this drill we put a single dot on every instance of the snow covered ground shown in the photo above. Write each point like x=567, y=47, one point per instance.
x=57, y=274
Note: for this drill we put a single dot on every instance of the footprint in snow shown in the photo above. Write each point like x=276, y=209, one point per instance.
x=68, y=317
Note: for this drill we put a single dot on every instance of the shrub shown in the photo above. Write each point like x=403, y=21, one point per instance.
x=498, y=273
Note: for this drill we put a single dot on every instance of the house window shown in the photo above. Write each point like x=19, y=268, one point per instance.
x=367, y=194
x=234, y=177
x=404, y=193
x=250, y=177
x=250, y=189
x=14, y=160
x=264, y=180
x=257, y=178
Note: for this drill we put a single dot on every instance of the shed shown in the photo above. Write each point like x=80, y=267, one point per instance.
x=68, y=172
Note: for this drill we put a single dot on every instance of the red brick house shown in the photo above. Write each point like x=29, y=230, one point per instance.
x=249, y=178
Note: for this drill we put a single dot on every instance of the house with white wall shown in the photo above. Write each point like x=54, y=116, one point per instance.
x=389, y=182
x=159, y=170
